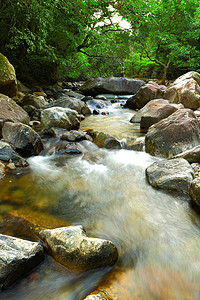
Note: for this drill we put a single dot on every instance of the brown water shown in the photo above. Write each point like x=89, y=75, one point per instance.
x=157, y=233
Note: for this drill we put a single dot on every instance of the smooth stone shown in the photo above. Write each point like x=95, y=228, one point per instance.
x=104, y=140
x=194, y=190
x=111, y=85
x=173, y=135
x=75, y=136
x=74, y=95
x=18, y=257
x=65, y=148
x=60, y=117
x=185, y=90
x=72, y=248
x=23, y=138
x=36, y=101
x=174, y=174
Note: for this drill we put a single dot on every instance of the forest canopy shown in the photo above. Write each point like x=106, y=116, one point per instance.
x=78, y=39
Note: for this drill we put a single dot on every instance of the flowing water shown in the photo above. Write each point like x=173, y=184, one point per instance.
x=157, y=234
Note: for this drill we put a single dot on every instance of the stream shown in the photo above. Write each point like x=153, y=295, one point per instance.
x=157, y=233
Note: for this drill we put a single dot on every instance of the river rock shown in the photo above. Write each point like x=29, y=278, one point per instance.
x=2, y=170
x=104, y=140
x=72, y=103
x=194, y=190
x=65, y=148
x=36, y=101
x=147, y=92
x=23, y=138
x=111, y=85
x=174, y=174
x=7, y=153
x=185, y=90
x=10, y=111
x=75, y=136
x=192, y=155
x=173, y=135
x=153, y=112
x=60, y=117
x=17, y=258
x=8, y=82
x=72, y=248
x=74, y=95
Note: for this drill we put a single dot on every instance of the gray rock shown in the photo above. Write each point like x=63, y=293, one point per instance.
x=17, y=258
x=194, y=190
x=185, y=90
x=173, y=135
x=60, y=117
x=65, y=148
x=7, y=153
x=70, y=102
x=23, y=138
x=74, y=95
x=72, y=248
x=111, y=85
x=36, y=101
x=173, y=174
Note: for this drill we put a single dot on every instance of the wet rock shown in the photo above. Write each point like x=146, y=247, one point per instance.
x=94, y=157
x=29, y=109
x=101, y=97
x=104, y=140
x=96, y=112
x=173, y=174
x=185, y=90
x=37, y=102
x=2, y=170
x=60, y=117
x=72, y=103
x=97, y=103
x=75, y=136
x=17, y=258
x=75, y=95
x=72, y=248
x=65, y=148
x=10, y=111
x=7, y=153
x=23, y=138
x=35, y=125
x=192, y=155
x=194, y=190
x=111, y=85
x=153, y=112
x=147, y=92
x=8, y=81
x=136, y=146
x=27, y=223
x=173, y=135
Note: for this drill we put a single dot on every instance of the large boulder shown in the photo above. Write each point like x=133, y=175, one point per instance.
x=70, y=102
x=173, y=135
x=111, y=85
x=10, y=111
x=17, y=258
x=23, y=138
x=147, y=92
x=72, y=248
x=60, y=117
x=35, y=101
x=174, y=174
x=153, y=112
x=185, y=90
x=8, y=82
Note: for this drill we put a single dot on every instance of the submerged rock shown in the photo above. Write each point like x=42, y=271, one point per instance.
x=72, y=248
x=173, y=135
x=17, y=258
x=104, y=140
x=111, y=85
x=8, y=81
x=60, y=117
x=23, y=138
x=173, y=174
x=185, y=90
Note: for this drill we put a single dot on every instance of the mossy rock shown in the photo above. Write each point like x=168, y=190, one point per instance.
x=8, y=82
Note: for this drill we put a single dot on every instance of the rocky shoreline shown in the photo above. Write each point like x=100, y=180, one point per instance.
x=168, y=114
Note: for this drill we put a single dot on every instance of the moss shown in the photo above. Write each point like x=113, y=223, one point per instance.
x=7, y=71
